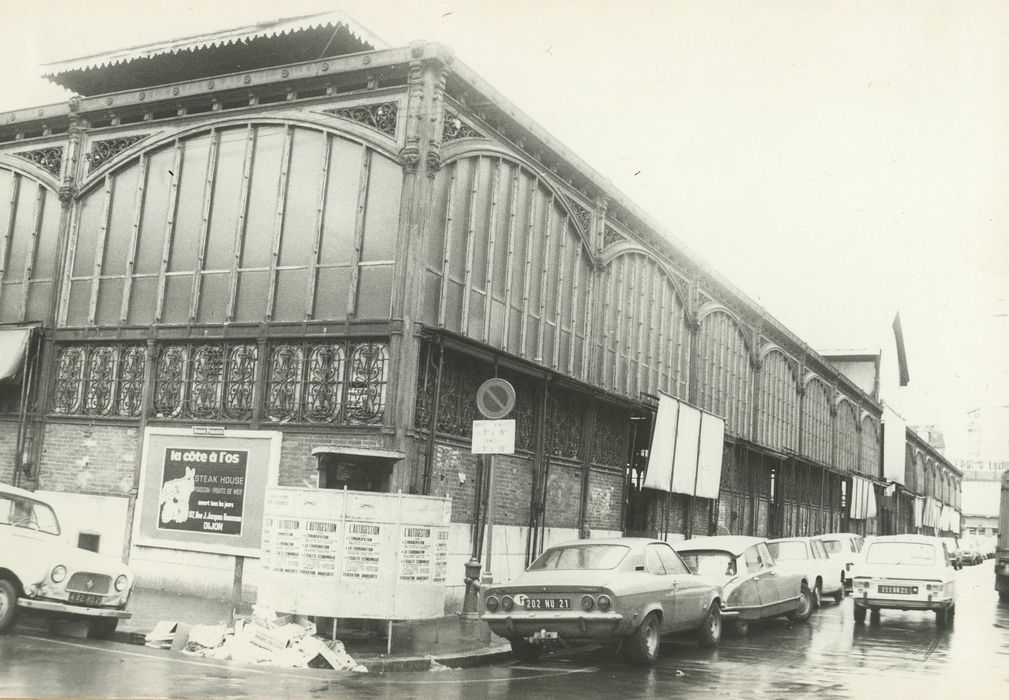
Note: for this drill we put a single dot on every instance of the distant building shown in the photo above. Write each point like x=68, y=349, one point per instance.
x=860, y=366
x=932, y=434
x=988, y=433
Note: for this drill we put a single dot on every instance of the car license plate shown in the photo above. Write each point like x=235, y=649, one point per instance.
x=85, y=599
x=548, y=604
x=899, y=590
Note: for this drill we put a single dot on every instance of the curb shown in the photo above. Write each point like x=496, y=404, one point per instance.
x=387, y=664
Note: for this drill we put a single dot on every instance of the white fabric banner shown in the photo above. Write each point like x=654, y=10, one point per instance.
x=919, y=511
x=688, y=435
x=13, y=345
x=894, y=445
x=659, y=472
x=709, y=467
x=863, y=499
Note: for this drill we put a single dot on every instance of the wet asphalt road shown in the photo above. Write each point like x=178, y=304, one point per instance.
x=828, y=657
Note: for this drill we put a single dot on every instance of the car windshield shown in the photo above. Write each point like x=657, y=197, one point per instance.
x=788, y=551
x=711, y=563
x=914, y=553
x=582, y=556
x=26, y=513
x=832, y=546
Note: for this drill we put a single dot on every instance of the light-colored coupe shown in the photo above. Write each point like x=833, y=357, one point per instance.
x=621, y=591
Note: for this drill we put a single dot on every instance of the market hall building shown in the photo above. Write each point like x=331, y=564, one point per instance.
x=314, y=249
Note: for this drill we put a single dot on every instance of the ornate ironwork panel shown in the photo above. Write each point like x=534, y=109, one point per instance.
x=427, y=377
x=610, y=439
x=205, y=382
x=99, y=380
x=527, y=398
x=380, y=116
x=69, y=393
x=456, y=128
x=327, y=382
x=582, y=215
x=565, y=423
x=107, y=149
x=461, y=377
x=366, y=383
x=610, y=236
x=46, y=158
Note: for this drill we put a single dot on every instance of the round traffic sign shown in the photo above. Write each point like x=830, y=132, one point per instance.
x=495, y=398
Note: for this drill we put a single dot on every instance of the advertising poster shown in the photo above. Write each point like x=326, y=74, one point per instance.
x=203, y=490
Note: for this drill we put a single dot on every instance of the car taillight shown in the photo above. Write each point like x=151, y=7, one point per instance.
x=604, y=602
x=860, y=584
x=491, y=603
x=507, y=603
x=934, y=587
x=588, y=603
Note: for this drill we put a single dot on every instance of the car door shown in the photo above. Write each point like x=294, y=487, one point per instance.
x=781, y=584
x=664, y=584
x=761, y=580
x=690, y=600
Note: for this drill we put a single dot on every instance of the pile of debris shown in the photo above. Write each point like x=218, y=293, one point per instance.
x=263, y=638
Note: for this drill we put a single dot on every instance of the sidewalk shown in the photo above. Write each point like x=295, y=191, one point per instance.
x=449, y=640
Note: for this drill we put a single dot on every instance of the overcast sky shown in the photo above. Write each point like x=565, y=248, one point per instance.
x=838, y=161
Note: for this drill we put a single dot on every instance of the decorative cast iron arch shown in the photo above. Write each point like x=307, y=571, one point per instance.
x=30, y=170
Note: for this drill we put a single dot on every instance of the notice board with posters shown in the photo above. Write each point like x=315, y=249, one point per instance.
x=357, y=554
x=204, y=490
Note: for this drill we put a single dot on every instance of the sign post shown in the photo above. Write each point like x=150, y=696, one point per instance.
x=495, y=399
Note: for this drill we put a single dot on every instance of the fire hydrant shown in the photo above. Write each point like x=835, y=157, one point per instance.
x=471, y=600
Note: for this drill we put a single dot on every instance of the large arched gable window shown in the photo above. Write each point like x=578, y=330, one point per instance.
x=724, y=370
x=243, y=221
x=29, y=231
x=507, y=262
x=817, y=426
x=778, y=407
x=643, y=336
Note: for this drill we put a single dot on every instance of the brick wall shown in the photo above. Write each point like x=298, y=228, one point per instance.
x=606, y=492
x=297, y=465
x=8, y=440
x=564, y=488
x=94, y=459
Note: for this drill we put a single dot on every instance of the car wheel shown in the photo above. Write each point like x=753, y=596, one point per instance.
x=805, y=607
x=8, y=604
x=874, y=617
x=941, y=618
x=839, y=594
x=523, y=650
x=740, y=628
x=643, y=644
x=710, y=630
x=859, y=614
x=102, y=628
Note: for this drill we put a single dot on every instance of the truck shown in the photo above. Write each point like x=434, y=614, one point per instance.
x=1002, y=546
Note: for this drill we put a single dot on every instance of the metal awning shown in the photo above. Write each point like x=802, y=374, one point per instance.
x=359, y=452
x=13, y=346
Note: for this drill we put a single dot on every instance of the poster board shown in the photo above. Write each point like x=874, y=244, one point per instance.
x=341, y=553
x=659, y=473
x=686, y=450
x=204, y=492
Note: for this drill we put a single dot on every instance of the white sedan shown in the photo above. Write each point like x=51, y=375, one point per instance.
x=905, y=572
x=806, y=555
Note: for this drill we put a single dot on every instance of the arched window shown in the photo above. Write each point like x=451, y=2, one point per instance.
x=816, y=423
x=847, y=440
x=725, y=375
x=778, y=407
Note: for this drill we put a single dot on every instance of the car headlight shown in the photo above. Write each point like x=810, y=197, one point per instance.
x=604, y=602
x=59, y=573
x=121, y=582
x=507, y=603
x=587, y=603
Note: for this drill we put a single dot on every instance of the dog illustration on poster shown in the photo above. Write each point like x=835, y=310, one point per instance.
x=175, y=497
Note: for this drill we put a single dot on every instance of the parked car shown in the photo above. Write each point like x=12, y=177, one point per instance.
x=753, y=586
x=970, y=552
x=806, y=555
x=955, y=553
x=905, y=572
x=845, y=549
x=42, y=573
x=625, y=590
